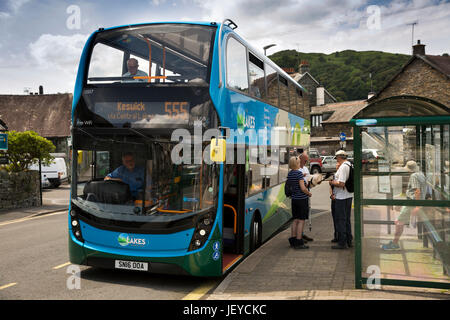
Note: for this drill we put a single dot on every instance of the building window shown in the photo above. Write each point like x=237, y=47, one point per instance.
x=316, y=120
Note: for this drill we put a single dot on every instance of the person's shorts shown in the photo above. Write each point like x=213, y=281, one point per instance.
x=300, y=209
x=405, y=215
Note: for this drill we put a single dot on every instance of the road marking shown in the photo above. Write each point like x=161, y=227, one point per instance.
x=200, y=291
x=8, y=285
x=61, y=266
x=32, y=218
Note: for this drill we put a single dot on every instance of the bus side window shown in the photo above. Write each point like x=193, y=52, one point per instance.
x=256, y=75
x=256, y=171
x=272, y=86
x=300, y=103
x=284, y=160
x=284, y=93
x=237, y=77
x=292, y=98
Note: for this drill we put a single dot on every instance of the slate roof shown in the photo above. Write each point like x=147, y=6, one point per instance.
x=49, y=115
x=340, y=111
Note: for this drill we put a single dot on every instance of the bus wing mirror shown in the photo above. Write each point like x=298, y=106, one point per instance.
x=218, y=150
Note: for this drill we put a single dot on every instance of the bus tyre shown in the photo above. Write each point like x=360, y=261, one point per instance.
x=255, y=235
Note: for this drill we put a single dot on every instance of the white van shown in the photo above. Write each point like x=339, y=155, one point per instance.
x=54, y=174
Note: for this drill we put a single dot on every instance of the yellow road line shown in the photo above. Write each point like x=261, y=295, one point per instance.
x=31, y=218
x=61, y=266
x=8, y=285
x=200, y=291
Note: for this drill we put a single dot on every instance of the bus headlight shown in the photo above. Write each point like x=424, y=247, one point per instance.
x=76, y=228
x=202, y=230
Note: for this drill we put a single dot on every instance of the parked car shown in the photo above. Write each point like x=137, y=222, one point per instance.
x=369, y=158
x=315, y=161
x=54, y=174
x=329, y=164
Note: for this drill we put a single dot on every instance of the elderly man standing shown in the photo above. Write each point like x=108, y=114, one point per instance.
x=343, y=205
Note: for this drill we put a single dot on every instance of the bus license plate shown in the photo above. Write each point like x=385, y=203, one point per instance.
x=132, y=265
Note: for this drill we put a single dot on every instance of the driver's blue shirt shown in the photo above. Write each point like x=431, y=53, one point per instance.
x=135, y=178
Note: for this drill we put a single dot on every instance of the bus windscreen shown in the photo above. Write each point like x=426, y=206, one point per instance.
x=160, y=53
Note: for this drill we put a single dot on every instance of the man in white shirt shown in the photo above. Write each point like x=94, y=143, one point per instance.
x=344, y=199
x=133, y=71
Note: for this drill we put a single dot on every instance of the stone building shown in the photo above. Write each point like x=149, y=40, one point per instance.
x=317, y=94
x=426, y=76
x=329, y=121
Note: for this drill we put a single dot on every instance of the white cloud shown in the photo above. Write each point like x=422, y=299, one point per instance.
x=158, y=2
x=57, y=52
x=333, y=25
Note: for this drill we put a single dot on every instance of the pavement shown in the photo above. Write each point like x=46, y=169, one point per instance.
x=53, y=200
x=277, y=272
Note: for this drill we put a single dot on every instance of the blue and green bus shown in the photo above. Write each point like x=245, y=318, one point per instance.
x=137, y=88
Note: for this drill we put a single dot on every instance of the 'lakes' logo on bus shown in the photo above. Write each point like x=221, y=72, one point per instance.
x=125, y=240
x=243, y=120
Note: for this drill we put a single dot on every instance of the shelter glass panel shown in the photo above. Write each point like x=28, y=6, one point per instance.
x=405, y=163
x=406, y=243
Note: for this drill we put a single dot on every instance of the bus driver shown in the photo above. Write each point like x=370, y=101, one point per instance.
x=129, y=173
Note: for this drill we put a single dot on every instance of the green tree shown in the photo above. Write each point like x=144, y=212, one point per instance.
x=26, y=148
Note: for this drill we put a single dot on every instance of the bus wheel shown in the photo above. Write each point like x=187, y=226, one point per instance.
x=255, y=235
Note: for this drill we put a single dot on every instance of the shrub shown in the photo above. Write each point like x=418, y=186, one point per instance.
x=26, y=148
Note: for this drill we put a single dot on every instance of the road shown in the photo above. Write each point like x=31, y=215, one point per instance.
x=34, y=264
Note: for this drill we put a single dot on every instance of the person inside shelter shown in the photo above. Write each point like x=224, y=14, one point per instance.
x=129, y=173
x=133, y=71
x=416, y=190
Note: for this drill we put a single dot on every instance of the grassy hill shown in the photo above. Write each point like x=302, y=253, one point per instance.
x=345, y=74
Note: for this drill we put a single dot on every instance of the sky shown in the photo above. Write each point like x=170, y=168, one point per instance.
x=41, y=40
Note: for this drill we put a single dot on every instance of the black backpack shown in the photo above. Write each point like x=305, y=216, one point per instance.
x=349, y=184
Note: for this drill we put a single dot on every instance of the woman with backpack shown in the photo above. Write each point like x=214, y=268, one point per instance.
x=299, y=194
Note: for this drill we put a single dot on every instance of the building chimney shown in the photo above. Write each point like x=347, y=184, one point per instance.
x=303, y=67
x=320, y=96
x=41, y=90
x=419, y=49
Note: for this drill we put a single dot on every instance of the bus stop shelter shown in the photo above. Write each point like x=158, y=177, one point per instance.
x=402, y=193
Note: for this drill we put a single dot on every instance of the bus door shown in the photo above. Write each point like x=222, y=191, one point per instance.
x=233, y=214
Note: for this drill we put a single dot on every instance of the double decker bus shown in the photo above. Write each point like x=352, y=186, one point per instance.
x=184, y=214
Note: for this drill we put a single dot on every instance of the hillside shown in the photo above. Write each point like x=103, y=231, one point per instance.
x=345, y=74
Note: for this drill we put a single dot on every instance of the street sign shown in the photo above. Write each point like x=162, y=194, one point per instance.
x=3, y=141
x=342, y=136
x=4, y=160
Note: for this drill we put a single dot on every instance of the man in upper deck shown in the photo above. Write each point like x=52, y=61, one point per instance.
x=133, y=71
